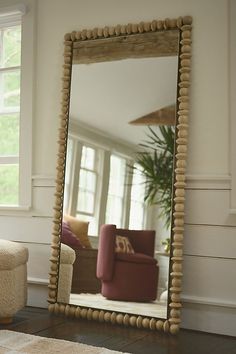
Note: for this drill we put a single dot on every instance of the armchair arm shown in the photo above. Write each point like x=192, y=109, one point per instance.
x=106, y=252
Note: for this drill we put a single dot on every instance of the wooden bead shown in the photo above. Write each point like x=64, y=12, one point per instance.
x=123, y=29
x=174, y=328
x=178, y=237
x=95, y=33
x=51, y=308
x=172, y=23
x=145, y=322
x=72, y=311
x=175, y=297
x=100, y=32
x=179, y=207
x=129, y=28
x=101, y=316
x=113, y=318
x=83, y=312
x=185, y=63
x=166, y=327
x=89, y=314
x=176, y=282
x=180, y=192
x=152, y=324
x=126, y=320
x=53, y=280
x=185, y=77
x=181, y=163
x=175, y=289
x=181, y=148
x=160, y=25
x=106, y=32
x=132, y=320
x=184, y=105
x=179, y=199
x=166, y=23
x=179, y=22
x=176, y=305
x=179, y=184
x=118, y=30
x=175, y=313
x=177, y=267
x=181, y=142
x=179, y=222
x=55, y=253
x=159, y=325
x=181, y=177
x=62, y=308
x=186, y=34
x=67, y=37
x=141, y=27
x=67, y=310
x=178, y=253
x=119, y=318
x=154, y=25
x=77, y=312
x=134, y=28
x=139, y=322
x=147, y=26
x=107, y=317
x=95, y=315
x=111, y=31
x=187, y=20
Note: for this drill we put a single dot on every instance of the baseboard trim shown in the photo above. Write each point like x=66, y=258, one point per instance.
x=37, y=281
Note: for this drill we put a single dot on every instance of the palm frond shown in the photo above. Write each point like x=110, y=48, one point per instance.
x=156, y=165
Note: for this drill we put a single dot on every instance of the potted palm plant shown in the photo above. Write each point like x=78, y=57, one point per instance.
x=156, y=164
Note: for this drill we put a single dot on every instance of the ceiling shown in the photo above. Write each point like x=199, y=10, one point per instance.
x=107, y=95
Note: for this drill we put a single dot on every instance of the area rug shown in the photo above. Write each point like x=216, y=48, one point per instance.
x=152, y=309
x=19, y=343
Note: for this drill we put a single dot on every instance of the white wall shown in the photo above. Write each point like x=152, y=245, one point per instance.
x=208, y=293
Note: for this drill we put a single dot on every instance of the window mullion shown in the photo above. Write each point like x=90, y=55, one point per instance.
x=127, y=196
x=104, y=187
x=75, y=179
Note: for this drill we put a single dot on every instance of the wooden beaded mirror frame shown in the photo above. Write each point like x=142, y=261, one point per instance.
x=182, y=26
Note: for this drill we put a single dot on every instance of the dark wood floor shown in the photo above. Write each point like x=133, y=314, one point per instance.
x=39, y=322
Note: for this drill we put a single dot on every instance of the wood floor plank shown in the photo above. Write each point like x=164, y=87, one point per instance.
x=125, y=339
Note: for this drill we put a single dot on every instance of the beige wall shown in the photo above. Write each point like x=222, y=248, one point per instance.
x=209, y=116
x=208, y=294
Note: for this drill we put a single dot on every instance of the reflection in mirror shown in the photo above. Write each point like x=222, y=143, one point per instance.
x=119, y=172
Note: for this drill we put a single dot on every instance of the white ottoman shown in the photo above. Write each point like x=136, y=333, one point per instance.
x=13, y=279
x=67, y=258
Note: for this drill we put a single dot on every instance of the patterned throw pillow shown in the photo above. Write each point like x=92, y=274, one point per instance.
x=123, y=245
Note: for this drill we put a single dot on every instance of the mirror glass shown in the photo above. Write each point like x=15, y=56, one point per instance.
x=119, y=165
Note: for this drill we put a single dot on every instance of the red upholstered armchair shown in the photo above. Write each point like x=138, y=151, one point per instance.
x=127, y=276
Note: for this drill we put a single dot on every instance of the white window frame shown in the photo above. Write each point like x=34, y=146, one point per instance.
x=82, y=135
x=73, y=189
x=23, y=13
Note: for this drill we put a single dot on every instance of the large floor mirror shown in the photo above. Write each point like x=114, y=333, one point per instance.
x=119, y=210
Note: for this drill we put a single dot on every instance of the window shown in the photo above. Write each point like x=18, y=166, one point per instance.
x=15, y=107
x=85, y=209
x=100, y=188
x=116, y=191
x=10, y=60
x=137, y=204
x=81, y=183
